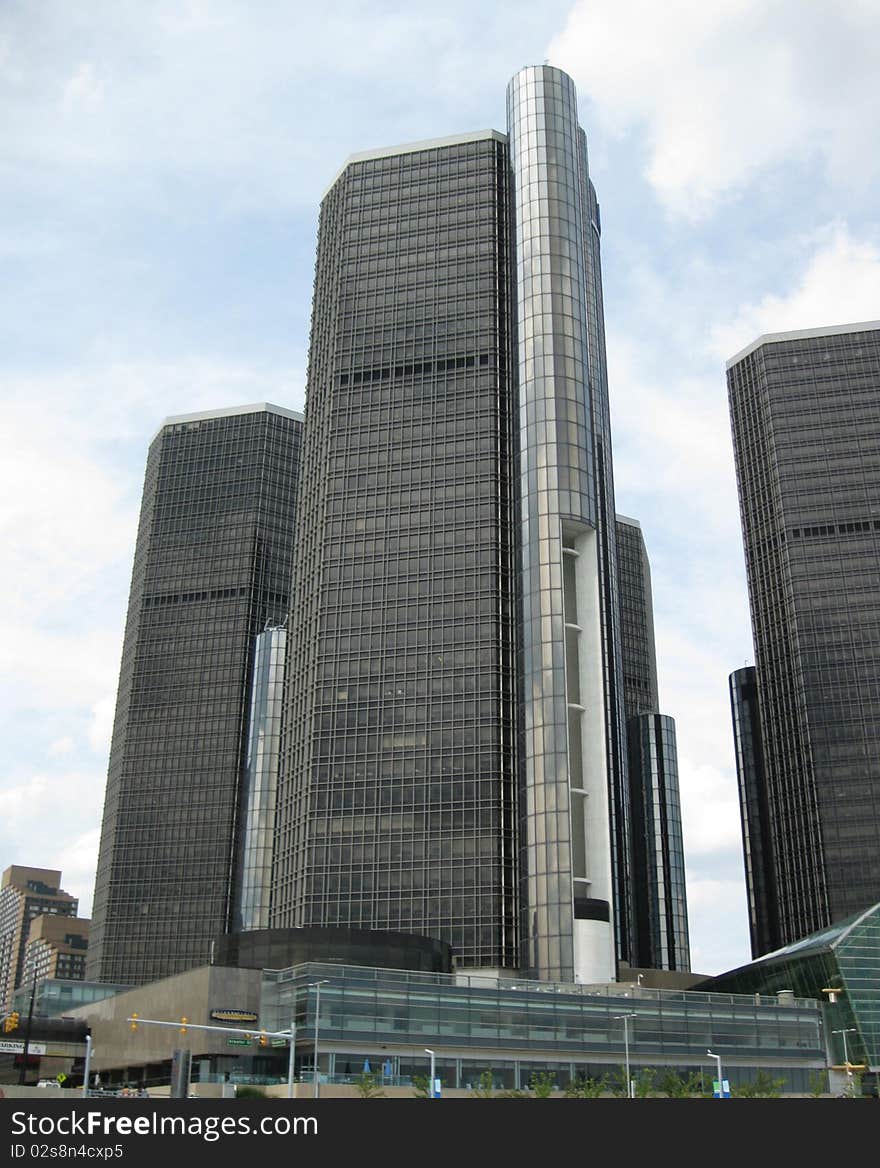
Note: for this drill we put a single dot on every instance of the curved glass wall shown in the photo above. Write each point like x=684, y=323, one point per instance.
x=564, y=816
x=260, y=780
x=658, y=846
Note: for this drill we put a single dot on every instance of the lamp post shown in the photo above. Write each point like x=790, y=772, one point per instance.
x=432, y=1074
x=87, y=1065
x=317, y=987
x=625, y=1018
x=291, y=1056
x=717, y=1058
x=849, y=1075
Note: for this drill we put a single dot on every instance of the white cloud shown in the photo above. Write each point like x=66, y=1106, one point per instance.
x=200, y=91
x=840, y=284
x=60, y=746
x=101, y=726
x=84, y=90
x=710, y=806
x=77, y=859
x=718, y=924
x=725, y=90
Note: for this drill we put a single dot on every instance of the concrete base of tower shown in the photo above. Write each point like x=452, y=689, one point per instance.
x=594, y=956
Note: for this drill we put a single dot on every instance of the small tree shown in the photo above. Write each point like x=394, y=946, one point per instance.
x=643, y=1082
x=675, y=1086
x=484, y=1087
x=818, y=1084
x=586, y=1088
x=543, y=1084
x=367, y=1086
x=421, y=1086
x=761, y=1087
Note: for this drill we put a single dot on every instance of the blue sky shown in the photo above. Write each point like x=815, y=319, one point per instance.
x=161, y=167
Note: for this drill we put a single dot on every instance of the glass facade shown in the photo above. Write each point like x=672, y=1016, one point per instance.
x=636, y=620
x=842, y=959
x=56, y=996
x=754, y=811
x=658, y=885
x=397, y=799
x=452, y=726
x=658, y=845
x=212, y=566
x=515, y=1027
x=566, y=863
x=259, y=786
x=805, y=410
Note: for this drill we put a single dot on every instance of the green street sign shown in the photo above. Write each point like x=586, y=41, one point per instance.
x=238, y=1042
x=279, y=1042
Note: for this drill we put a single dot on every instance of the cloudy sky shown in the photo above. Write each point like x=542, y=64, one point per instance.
x=161, y=167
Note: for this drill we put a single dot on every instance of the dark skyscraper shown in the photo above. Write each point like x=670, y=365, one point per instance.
x=659, y=891
x=636, y=620
x=212, y=569
x=805, y=410
x=754, y=812
x=455, y=758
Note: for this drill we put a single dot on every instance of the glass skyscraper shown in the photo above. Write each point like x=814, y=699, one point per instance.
x=658, y=884
x=805, y=411
x=454, y=755
x=754, y=812
x=212, y=568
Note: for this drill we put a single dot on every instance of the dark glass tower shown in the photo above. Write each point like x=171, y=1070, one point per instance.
x=212, y=567
x=755, y=812
x=659, y=887
x=454, y=748
x=636, y=620
x=805, y=411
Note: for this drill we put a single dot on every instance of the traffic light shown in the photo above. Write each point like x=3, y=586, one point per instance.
x=264, y=1041
x=134, y=1022
x=10, y=1022
x=183, y=1025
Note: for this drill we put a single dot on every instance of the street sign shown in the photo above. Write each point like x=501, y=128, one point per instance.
x=7, y=1047
x=238, y=1042
x=279, y=1042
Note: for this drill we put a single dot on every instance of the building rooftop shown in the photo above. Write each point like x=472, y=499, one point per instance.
x=229, y=412
x=834, y=330
x=412, y=148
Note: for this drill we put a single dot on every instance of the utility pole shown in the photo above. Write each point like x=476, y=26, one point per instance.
x=27, y=1034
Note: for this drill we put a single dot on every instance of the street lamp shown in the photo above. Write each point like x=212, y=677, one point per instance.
x=625, y=1018
x=849, y=1075
x=431, y=1079
x=291, y=1055
x=317, y=987
x=717, y=1058
x=87, y=1065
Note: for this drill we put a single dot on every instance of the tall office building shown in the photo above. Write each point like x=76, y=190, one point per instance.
x=805, y=411
x=212, y=569
x=454, y=759
x=755, y=814
x=25, y=895
x=638, y=648
x=659, y=889
x=56, y=948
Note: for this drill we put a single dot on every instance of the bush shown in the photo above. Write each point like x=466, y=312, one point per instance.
x=367, y=1085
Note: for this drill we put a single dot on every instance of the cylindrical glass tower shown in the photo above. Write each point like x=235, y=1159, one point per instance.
x=566, y=881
